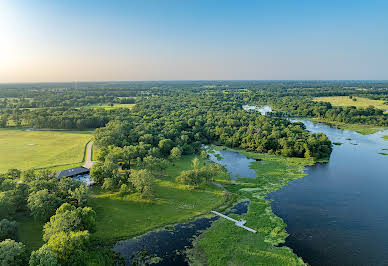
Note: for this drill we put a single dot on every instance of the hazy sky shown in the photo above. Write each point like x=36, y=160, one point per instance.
x=92, y=40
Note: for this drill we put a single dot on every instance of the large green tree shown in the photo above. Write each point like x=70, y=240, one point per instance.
x=12, y=253
x=43, y=204
x=68, y=218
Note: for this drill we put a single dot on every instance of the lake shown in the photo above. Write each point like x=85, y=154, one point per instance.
x=263, y=110
x=235, y=163
x=337, y=215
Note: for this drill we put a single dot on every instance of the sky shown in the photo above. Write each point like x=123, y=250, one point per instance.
x=94, y=40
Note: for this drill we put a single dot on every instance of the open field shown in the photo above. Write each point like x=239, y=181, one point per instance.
x=346, y=101
x=115, y=105
x=23, y=149
x=226, y=244
x=120, y=218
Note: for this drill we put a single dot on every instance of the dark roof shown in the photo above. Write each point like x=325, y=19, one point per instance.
x=73, y=171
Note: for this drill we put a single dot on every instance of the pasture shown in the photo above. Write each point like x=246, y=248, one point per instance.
x=124, y=217
x=346, y=101
x=25, y=149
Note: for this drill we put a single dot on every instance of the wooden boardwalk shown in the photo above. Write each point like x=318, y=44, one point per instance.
x=238, y=223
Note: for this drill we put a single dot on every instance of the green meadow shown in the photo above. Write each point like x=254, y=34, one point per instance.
x=25, y=149
x=124, y=217
x=226, y=244
x=346, y=101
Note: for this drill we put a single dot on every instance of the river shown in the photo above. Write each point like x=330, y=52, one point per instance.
x=337, y=215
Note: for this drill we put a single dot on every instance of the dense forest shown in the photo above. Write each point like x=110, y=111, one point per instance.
x=65, y=105
x=187, y=122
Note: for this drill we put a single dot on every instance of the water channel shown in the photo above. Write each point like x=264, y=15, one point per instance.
x=338, y=215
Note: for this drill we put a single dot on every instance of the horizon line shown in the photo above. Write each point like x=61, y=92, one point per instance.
x=193, y=80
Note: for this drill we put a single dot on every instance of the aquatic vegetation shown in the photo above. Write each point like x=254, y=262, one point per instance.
x=226, y=244
x=359, y=128
x=337, y=143
x=385, y=137
x=383, y=153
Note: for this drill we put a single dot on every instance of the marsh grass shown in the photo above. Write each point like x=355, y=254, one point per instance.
x=226, y=244
x=362, y=129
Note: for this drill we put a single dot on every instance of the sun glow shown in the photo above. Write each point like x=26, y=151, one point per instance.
x=12, y=45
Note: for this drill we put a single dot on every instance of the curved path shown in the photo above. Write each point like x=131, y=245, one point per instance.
x=88, y=160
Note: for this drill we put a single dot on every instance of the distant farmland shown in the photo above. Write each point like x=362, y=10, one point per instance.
x=346, y=101
x=23, y=149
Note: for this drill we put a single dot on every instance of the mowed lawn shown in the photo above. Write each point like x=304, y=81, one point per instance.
x=346, y=101
x=119, y=218
x=23, y=149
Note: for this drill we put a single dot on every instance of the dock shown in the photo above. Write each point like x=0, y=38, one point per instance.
x=238, y=223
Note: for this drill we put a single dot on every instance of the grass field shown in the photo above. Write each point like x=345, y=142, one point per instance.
x=346, y=101
x=226, y=244
x=120, y=218
x=29, y=231
x=23, y=149
x=115, y=105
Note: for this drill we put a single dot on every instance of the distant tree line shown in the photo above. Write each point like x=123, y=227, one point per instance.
x=62, y=117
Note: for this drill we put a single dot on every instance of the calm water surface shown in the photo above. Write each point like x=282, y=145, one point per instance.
x=169, y=245
x=338, y=214
x=237, y=164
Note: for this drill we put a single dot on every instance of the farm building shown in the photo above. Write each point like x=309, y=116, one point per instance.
x=73, y=172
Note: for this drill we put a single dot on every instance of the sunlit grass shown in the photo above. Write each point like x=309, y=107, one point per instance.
x=128, y=216
x=24, y=149
x=346, y=101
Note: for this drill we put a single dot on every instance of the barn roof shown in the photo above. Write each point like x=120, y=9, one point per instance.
x=73, y=171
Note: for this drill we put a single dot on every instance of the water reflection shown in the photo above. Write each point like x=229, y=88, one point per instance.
x=263, y=110
x=337, y=214
x=169, y=245
x=237, y=164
